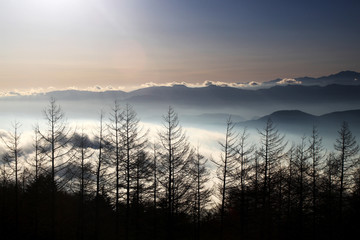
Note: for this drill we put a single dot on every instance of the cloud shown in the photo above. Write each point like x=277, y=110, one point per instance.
x=98, y=88
x=168, y=84
x=217, y=83
x=254, y=83
x=206, y=83
x=289, y=81
x=38, y=91
x=251, y=85
x=27, y=92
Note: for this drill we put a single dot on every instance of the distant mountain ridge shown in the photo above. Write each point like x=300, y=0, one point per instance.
x=217, y=95
x=295, y=121
x=282, y=117
x=294, y=124
x=341, y=78
x=289, y=116
x=247, y=103
x=343, y=86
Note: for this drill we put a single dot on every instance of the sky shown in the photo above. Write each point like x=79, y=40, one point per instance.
x=125, y=43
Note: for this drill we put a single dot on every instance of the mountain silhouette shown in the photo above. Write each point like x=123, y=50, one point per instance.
x=343, y=78
x=247, y=103
x=298, y=122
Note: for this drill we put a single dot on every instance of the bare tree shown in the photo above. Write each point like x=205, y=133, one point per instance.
x=56, y=147
x=37, y=164
x=175, y=154
x=100, y=143
x=330, y=187
x=12, y=143
x=38, y=159
x=141, y=178
x=82, y=172
x=255, y=179
x=115, y=138
x=226, y=166
x=301, y=166
x=201, y=192
x=290, y=179
x=271, y=151
x=103, y=149
x=133, y=140
x=56, y=140
x=241, y=176
x=347, y=150
x=316, y=151
x=155, y=187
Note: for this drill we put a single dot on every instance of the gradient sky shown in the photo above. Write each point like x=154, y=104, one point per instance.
x=84, y=43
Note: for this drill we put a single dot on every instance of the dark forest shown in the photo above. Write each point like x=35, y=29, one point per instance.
x=118, y=183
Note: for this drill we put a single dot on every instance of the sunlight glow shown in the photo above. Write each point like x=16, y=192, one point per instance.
x=61, y=11
x=57, y=4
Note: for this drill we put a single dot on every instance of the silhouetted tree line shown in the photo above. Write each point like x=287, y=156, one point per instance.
x=117, y=184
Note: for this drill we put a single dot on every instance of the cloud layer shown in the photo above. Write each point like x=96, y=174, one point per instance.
x=97, y=88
